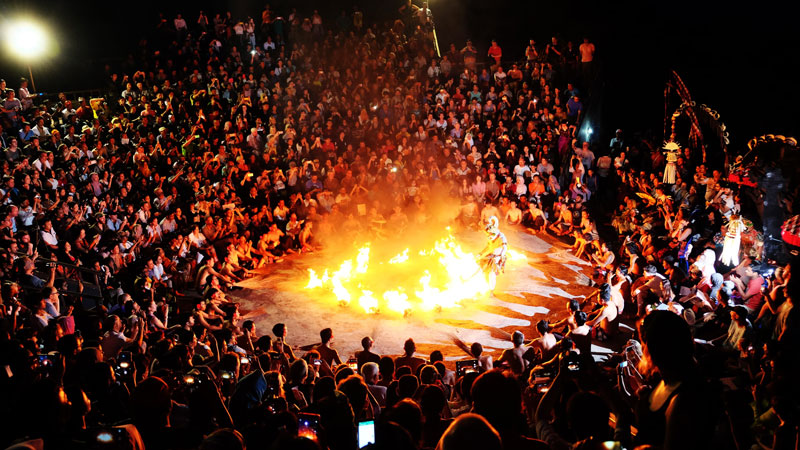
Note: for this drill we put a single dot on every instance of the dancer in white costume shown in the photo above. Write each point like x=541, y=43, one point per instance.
x=705, y=262
x=493, y=256
x=732, y=242
x=670, y=171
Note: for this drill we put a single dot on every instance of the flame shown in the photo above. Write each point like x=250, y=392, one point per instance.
x=400, y=258
x=314, y=281
x=397, y=301
x=343, y=274
x=431, y=297
x=449, y=275
x=514, y=255
x=362, y=260
x=368, y=302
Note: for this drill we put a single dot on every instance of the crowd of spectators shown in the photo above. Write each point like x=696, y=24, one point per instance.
x=223, y=146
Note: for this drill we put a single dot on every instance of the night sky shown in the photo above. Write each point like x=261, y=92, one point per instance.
x=735, y=57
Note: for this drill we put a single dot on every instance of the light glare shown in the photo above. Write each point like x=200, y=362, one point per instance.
x=26, y=39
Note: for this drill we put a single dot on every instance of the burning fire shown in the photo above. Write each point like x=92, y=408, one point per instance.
x=428, y=279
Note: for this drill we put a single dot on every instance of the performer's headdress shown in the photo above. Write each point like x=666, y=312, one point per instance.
x=491, y=226
x=672, y=146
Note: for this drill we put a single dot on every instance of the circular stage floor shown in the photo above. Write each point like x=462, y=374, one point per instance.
x=527, y=292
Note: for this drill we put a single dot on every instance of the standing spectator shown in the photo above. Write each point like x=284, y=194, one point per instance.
x=531, y=54
x=495, y=52
x=469, y=55
x=180, y=26
x=587, y=50
x=25, y=96
x=574, y=109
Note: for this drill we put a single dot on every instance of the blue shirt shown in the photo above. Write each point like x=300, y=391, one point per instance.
x=574, y=107
x=311, y=185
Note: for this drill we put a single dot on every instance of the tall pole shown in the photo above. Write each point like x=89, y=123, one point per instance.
x=433, y=26
x=30, y=72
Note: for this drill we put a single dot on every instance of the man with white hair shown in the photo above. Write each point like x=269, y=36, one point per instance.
x=371, y=376
x=254, y=140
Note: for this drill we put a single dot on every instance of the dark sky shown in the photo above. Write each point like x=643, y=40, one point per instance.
x=735, y=57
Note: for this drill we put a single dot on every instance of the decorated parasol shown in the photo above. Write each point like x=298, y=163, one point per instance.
x=646, y=197
x=790, y=231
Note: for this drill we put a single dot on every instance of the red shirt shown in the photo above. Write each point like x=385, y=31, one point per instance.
x=754, y=286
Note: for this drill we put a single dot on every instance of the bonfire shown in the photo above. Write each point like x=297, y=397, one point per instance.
x=415, y=279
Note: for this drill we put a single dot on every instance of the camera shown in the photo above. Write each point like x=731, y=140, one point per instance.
x=465, y=367
x=308, y=426
x=45, y=364
x=227, y=381
x=124, y=367
x=44, y=361
x=571, y=361
x=192, y=381
x=106, y=436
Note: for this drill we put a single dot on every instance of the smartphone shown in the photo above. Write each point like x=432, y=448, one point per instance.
x=317, y=362
x=612, y=445
x=366, y=433
x=465, y=367
x=244, y=360
x=225, y=375
x=110, y=435
x=45, y=361
x=352, y=363
x=124, y=356
x=308, y=426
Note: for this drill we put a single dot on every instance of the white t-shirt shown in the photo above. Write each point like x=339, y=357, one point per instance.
x=198, y=240
x=587, y=52
x=50, y=238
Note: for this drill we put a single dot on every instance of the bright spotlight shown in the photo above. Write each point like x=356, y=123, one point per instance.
x=27, y=40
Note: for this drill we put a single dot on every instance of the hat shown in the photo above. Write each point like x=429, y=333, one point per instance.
x=717, y=280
